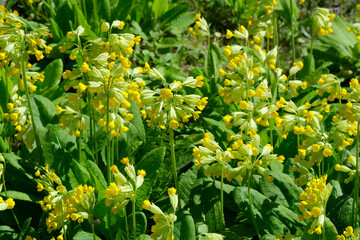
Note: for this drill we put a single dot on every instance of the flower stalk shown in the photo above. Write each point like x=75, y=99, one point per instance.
x=173, y=159
x=37, y=139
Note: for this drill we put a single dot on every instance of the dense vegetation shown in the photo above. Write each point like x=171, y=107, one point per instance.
x=159, y=119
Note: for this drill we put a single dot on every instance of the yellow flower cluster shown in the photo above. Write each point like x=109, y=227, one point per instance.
x=201, y=28
x=164, y=222
x=346, y=169
x=322, y=21
x=63, y=205
x=71, y=116
x=211, y=156
x=169, y=106
x=252, y=157
x=313, y=203
x=123, y=190
x=348, y=233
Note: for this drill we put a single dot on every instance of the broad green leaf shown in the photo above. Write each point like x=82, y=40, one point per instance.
x=330, y=232
x=184, y=226
x=20, y=196
x=24, y=228
x=88, y=34
x=141, y=223
x=182, y=23
x=159, y=7
x=169, y=42
x=82, y=235
x=8, y=233
x=186, y=182
x=151, y=163
x=122, y=9
x=284, y=10
x=52, y=77
x=144, y=237
x=107, y=9
x=175, y=12
x=17, y=176
x=47, y=110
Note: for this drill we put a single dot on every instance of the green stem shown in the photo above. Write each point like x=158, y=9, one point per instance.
x=292, y=30
x=355, y=207
x=108, y=139
x=311, y=47
x=63, y=219
x=251, y=206
x=276, y=38
x=126, y=223
x=6, y=194
x=95, y=142
x=37, y=139
x=271, y=131
x=93, y=229
x=222, y=198
x=173, y=159
x=7, y=95
x=133, y=215
x=79, y=138
x=84, y=8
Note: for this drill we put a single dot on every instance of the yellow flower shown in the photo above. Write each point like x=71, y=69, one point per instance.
x=166, y=94
x=114, y=169
x=173, y=124
x=202, y=103
x=82, y=87
x=10, y=203
x=199, y=82
x=141, y=172
x=146, y=204
x=349, y=231
x=327, y=152
x=40, y=187
x=125, y=161
x=243, y=105
x=171, y=191
x=39, y=55
x=354, y=83
x=197, y=16
x=84, y=67
x=112, y=190
x=316, y=211
x=229, y=34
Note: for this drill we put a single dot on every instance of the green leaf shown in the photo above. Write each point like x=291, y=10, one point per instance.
x=56, y=30
x=169, y=42
x=283, y=10
x=52, y=77
x=141, y=223
x=184, y=226
x=47, y=110
x=175, y=12
x=186, y=182
x=151, y=163
x=144, y=237
x=121, y=10
x=330, y=232
x=341, y=40
x=159, y=7
x=107, y=9
x=82, y=235
x=25, y=227
x=17, y=176
x=8, y=233
x=88, y=34
x=20, y=196
x=182, y=23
